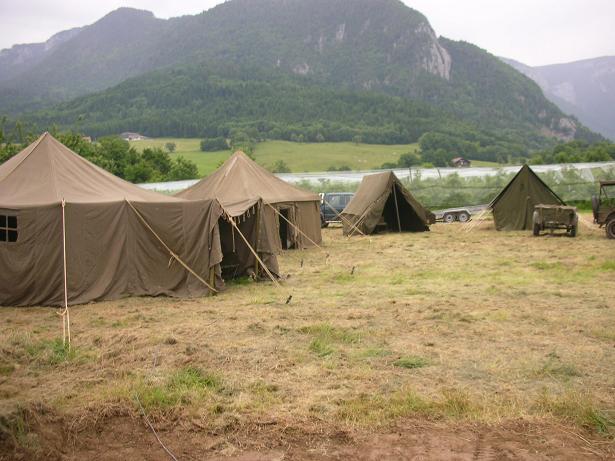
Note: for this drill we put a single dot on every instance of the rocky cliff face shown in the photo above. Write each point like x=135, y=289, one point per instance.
x=585, y=89
x=20, y=58
x=376, y=45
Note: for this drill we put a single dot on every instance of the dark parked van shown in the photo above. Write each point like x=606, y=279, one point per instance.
x=331, y=205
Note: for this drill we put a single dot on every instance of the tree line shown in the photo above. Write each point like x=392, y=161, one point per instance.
x=247, y=107
x=111, y=153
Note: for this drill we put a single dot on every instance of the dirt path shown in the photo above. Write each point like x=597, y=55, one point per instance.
x=127, y=438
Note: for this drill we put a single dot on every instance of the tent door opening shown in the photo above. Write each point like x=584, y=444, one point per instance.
x=237, y=258
x=283, y=226
x=398, y=215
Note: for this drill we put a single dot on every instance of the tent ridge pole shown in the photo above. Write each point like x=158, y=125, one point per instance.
x=65, y=314
x=396, y=207
x=257, y=217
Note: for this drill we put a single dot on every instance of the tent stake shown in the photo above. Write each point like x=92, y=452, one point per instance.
x=396, y=207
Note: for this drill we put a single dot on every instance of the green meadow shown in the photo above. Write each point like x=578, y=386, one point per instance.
x=299, y=157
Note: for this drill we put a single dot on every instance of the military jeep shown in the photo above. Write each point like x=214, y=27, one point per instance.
x=552, y=217
x=603, y=206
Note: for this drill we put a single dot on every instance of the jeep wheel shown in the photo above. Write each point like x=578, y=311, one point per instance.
x=610, y=229
x=536, y=229
x=573, y=230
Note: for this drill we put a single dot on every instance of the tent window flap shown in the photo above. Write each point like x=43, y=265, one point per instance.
x=8, y=229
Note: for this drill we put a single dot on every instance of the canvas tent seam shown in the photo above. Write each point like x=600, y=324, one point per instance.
x=38, y=141
x=54, y=178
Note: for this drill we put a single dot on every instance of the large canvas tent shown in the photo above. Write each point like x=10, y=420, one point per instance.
x=113, y=233
x=514, y=205
x=382, y=201
x=263, y=205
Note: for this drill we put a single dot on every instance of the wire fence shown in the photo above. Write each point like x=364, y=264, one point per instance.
x=574, y=186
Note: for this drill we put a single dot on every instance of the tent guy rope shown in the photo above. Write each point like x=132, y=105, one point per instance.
x=295, y=227
x=173, y=254
x=271, y=276
x=344, y=219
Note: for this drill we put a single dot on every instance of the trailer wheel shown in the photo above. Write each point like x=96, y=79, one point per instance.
x=448, y=218
x=610, y=229
x=463, y=217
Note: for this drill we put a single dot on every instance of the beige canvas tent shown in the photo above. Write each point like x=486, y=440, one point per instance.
x=113, y=232
x=263, y=205
x=382, y=202
x=514, y=205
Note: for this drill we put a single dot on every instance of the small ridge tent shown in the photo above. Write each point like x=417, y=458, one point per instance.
x=383, y=202
x=514, y=205
x=263, y=205
x=111, y=237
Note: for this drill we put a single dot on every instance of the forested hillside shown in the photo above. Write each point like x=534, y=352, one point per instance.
x=282, y=68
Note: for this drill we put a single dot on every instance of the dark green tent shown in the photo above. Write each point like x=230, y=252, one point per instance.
x=514, y=206
x=382, y=200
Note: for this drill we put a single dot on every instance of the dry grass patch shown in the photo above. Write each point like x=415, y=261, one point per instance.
x=479, y=326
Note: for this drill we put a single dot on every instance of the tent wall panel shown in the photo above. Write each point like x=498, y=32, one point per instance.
x=110, y=252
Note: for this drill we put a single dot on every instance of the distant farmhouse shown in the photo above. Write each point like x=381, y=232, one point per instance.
x=128, y=136
x=460, y=162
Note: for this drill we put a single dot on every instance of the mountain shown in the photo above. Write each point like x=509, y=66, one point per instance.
x=20, y=58
x=346, y=49
x=585, y=89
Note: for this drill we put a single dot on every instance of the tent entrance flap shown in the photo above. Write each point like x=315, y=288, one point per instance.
x=401, y=210
x=284, y=230
x=237, y=259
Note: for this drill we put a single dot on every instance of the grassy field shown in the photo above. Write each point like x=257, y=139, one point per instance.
x=441, y=344
x=300, y=158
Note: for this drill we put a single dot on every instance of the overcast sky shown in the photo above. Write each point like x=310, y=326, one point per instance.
x=532, y=31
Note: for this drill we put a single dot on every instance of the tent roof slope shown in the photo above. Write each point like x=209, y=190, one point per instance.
x=47, y=172
x=531, y=176
x=240, y=182
x=377, y=187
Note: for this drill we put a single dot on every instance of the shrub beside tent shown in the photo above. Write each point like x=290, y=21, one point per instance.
x=513, y=207
x=382, y=202
x=80, y=232
x=269, y=212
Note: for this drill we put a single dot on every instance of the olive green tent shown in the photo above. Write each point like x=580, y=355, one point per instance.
x=79, y=234
x=383, y=202
x=514, y=205
x=271, y=213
